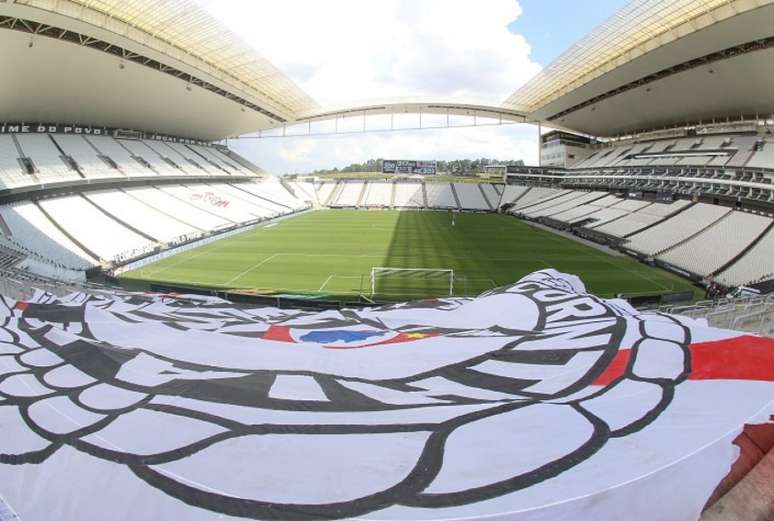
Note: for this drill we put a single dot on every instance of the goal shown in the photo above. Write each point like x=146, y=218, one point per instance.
x=411, y=282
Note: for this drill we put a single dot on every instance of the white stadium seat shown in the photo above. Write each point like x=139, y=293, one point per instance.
x=145, y=218
x=409, y=195
x=378, y=194
x=47, y=158
x=676, y=229
x=33, y=230
x=11, y=173
x=98, y=232
x=715, y=247
x=470, y=196
x=439, y=195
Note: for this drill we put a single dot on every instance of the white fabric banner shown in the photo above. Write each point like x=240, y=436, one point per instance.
x=535, y=401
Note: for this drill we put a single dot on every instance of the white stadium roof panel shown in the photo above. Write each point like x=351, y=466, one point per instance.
x=637, y=28
x=182, y=30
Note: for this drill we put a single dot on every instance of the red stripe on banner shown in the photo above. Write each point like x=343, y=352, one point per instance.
x=744, y=357
x=278, y=334
x=21, y=305
x=616, y=368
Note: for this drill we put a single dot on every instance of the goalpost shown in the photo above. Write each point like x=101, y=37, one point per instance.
x=437, y=281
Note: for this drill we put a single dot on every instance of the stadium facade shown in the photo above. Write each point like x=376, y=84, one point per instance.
x=112, y=118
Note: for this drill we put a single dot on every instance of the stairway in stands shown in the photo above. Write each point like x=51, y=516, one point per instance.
x=456, y=197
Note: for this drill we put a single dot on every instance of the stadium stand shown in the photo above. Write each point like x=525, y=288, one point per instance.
x=491, y=194
x=512, y=193
x=305, y=191
x=273, y=190
x=676, y=229
x=49, y=161
x=32, y=230
x=221, y=166
x=93, y=229
x=409, y=195
x=147, y=219
x=378, y=194
x=326, y=191
x=641, y=215
x=549, y=201
x=755, y=266
x=170, y=205
x=710, y=250
x=85, y=156
x=470, y=196
x=536, y=195
x=125, y=163
x=439, y=195
x=11, y=173
x=562, y=204
x=349, y=194
x=145, y=155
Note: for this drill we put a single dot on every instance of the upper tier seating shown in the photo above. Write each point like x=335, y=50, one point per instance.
x=470, y=196
x=11, y=173
x=378, y=194
x=439, y=195
x=107, y=146
x=47, y=158
x=676, y=229
x=763, y=158
x=140, y=149
x=409, y=195
x=720, y=243
x=222, y=165
x=85, y=155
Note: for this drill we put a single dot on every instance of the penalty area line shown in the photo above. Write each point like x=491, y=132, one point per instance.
x=248, y=270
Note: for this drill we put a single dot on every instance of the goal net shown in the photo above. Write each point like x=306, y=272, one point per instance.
x=411, y=282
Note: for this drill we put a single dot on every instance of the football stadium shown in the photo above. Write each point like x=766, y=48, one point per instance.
x=186, y=335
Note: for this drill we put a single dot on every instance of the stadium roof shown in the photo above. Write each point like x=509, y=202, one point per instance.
x=638, y=27
x=182, y=30
x=658, y=47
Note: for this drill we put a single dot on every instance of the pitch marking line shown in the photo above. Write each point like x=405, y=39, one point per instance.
x=326, y=282
x=248, y=270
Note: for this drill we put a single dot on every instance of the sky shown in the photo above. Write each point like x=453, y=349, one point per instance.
x=344, y=51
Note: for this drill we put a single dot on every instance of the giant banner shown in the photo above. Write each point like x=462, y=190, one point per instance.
x=534, y=401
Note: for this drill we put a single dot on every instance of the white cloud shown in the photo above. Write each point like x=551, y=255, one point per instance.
x=343, y=51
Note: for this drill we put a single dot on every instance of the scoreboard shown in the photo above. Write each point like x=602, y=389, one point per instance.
x=402, y=166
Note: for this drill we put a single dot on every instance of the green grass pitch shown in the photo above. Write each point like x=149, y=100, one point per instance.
x=331, y=253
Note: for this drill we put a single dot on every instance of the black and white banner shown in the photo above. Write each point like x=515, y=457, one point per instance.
x=535, y=401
